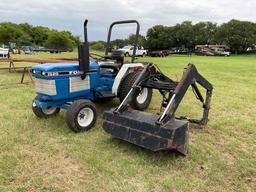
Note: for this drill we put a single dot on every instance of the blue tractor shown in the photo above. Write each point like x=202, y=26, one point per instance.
x=75, y=86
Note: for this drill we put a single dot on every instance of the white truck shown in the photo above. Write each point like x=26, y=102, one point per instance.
x=4, y=52
x=128, y=51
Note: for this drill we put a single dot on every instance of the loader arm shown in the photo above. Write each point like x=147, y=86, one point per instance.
x=152, y=77
x=190, y=77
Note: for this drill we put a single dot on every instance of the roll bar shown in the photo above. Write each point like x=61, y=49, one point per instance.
x=136, y=35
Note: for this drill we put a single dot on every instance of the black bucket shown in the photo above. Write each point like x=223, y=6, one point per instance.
x=140, y=128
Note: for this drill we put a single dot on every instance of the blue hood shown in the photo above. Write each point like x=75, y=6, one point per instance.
x=54, y=67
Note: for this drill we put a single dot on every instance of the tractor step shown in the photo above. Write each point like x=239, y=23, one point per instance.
x=140, y=128
x=105, y=94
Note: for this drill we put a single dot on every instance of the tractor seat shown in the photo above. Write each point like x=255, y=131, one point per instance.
x=110, y=66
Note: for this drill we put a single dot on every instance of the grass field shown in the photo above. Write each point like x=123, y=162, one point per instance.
x=44, y=155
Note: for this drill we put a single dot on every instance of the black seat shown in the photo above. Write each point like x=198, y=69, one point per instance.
x=110, y=65
x=118, y=57
x=115, y=67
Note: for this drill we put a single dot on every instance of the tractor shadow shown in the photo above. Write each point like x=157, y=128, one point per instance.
x=104, y=105
x=159, y=158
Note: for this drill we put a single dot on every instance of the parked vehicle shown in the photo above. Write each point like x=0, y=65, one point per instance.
x=27, y=49
x=180, y=51
x=128, y=51
x=14, y=51
x=160, y=53
x=212, y=50
x=4, y=52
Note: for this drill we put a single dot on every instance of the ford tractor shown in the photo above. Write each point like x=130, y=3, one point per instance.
x=75, y=86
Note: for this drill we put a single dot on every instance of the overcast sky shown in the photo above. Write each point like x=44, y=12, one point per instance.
x=69, y=14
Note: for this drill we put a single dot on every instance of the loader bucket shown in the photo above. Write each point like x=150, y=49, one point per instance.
x=140, y=129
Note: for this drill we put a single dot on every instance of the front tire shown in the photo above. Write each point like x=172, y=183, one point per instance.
x=44, y=113
x=140, y=100
x=81, y=116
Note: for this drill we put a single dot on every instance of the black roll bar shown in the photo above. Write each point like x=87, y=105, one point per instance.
x=136, y=36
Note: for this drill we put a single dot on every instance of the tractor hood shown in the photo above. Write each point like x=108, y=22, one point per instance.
x=54, y=67
x=59, y=69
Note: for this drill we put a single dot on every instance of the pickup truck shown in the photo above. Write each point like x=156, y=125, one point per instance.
x=128, y=51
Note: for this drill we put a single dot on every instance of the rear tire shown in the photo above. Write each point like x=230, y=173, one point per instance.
x=81, y=116
x=140, y=101
x=44, y=113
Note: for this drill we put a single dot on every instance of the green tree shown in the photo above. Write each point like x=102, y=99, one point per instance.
x=132, y=39
x=238, y=35
x=204, y=33
x=158, y=37
x=184, y=35
x=119, y=43
x=59, y=40
x=12, y=33
x=99, y=46
x=26, y=34
x=40, y=35
x=75, y=39
x=28, y=30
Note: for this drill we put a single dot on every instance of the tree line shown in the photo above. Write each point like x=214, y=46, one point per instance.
x=238, y=35
x=36, y=36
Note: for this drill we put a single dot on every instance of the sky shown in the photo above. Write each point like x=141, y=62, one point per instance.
x=70, y=14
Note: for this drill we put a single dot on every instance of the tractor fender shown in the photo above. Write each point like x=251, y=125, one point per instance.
x=125, y=69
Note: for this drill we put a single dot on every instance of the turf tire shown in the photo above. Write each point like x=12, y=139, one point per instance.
x=126, y=86
x=76, y=110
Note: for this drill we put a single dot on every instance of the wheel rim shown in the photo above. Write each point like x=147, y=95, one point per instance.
x=142, y=97
x=49, y=111
x=85, y=117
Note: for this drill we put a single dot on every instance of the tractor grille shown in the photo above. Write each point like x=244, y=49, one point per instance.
x=44, y=86
x=77, y=84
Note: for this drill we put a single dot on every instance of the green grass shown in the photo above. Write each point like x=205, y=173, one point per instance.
x=44, y=155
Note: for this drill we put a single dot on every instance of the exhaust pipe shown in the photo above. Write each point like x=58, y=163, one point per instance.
x=83, y=53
